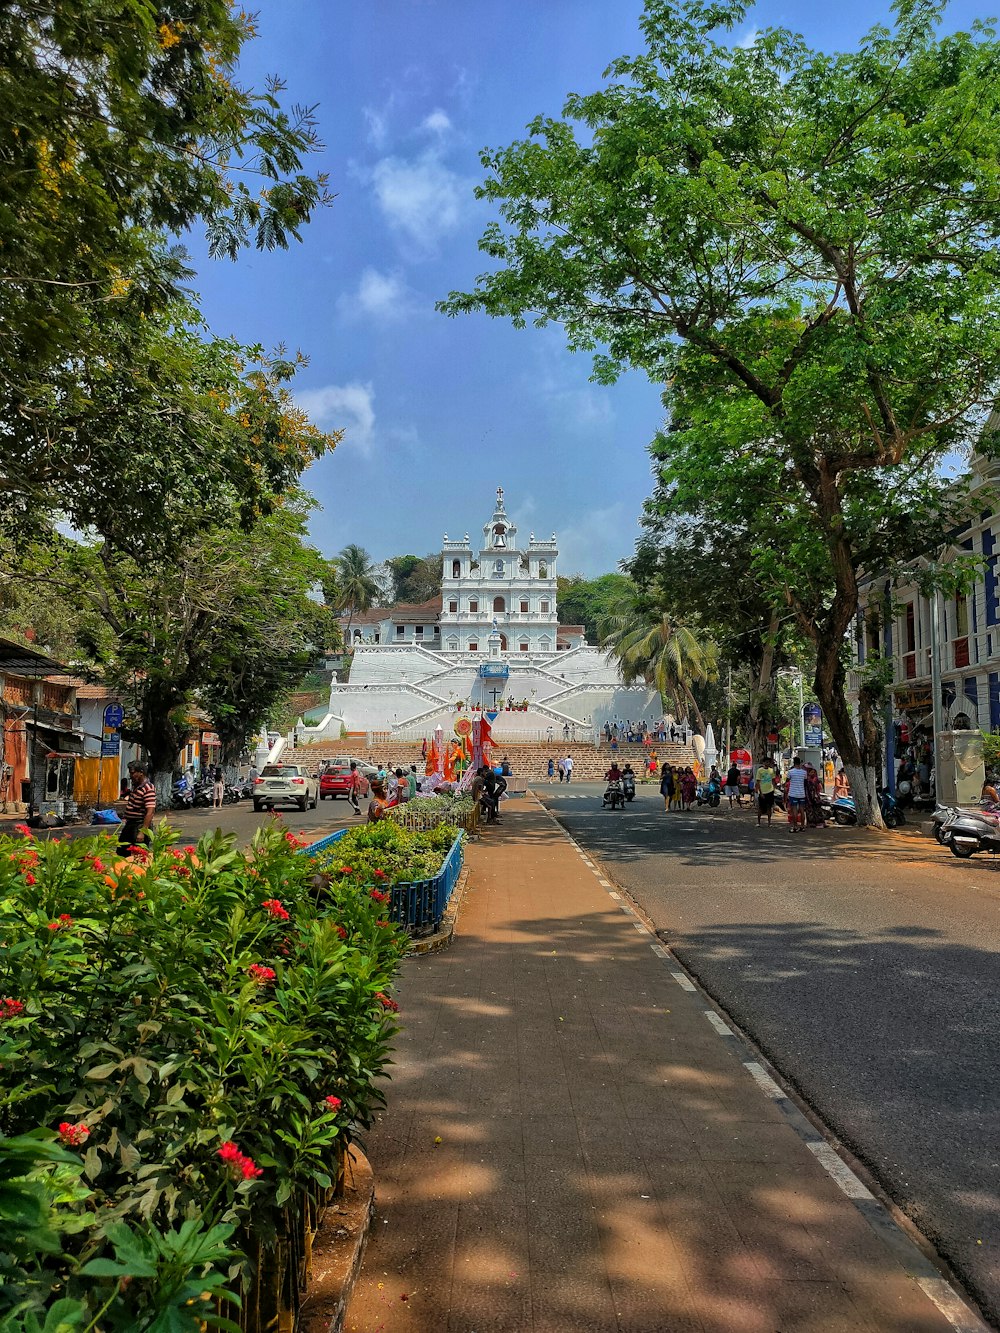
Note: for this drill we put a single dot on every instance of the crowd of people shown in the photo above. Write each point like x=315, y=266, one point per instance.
x=640, y=732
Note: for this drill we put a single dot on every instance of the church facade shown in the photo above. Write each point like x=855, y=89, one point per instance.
x=492, y=641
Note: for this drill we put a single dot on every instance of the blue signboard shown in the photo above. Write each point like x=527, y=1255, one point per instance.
x=494, y=669
x=812, y=717
x=114, y=716
x=111, y=744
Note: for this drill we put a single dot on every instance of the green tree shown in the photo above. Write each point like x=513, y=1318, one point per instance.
x=586, y=602
x=652, y=646
x=159, y=434
x=359, y=586
x=229, y=623
x=415, y=578
x=120, y=121
x=803, y=248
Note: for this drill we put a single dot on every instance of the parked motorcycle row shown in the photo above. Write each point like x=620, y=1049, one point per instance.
x=185, y=796
x=967, y=831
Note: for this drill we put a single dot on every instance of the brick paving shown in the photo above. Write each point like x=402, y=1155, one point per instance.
x=570, y=1146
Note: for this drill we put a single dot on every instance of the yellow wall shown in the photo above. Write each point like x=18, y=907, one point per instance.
x=85, y=780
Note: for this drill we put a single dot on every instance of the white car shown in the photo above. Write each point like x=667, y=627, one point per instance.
x=285, y=784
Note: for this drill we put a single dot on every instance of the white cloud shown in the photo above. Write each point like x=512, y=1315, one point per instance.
x=436, y=123
x=749, y=38
x=422, y=198
x=378, y=124
x=380, y=296
x=346, y=407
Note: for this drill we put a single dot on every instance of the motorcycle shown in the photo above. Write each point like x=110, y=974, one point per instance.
x=232, y=794
x=628, y=786
x=843, y=811
x=709, y=793
x=614, y=797
x=971, y=831
x=181, y=795
x=203, y=793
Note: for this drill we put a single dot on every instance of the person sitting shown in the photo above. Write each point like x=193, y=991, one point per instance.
x=379, y=803
x=841, y=787
x=989, y=792
x=614, y=773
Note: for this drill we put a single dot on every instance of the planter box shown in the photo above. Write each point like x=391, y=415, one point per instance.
x=420, y=904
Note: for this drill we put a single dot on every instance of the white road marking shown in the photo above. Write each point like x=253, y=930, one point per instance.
x=840, y=1172
x=951, y=1305
x=603, y=883
x=685, y=982
x=617, y=896
x=660, y=952
x=639, y=926
x=712, y=1016
x=763, y=1079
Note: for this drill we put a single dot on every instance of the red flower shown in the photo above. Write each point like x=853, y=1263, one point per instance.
x=140, y=853
x=379, y=897
x=383, y=924
x=242, y=1166
x=65, y=920
x=387, y=1003
x=10, y=1008
x=342, y=932
x=183, y=871
x=73, y=1135
x=380, y=874
x=190, y=849
x=95, y=863
x=334, y=1103
x=274, y=906
x=23, y=829
x=28, y=878
x=262, y=975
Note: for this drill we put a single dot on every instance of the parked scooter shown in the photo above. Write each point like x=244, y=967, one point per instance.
x=709, y=793
x=971, y=831
x=614, y=797
x=181, y=795
x=945, y=815
x=628, y=786
x=232, y=794
x=842, y=808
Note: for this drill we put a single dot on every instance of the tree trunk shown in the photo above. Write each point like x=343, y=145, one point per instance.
x=862, y=773
x=163, y=781
x=759, y=714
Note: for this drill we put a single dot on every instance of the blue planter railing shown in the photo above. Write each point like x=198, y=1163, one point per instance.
x=420, y=904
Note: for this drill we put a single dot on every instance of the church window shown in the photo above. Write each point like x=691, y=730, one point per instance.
x=456, y=569
x=499, y=604
x=452, y=607
x=545, y=608
x=473, y=647
x=419, y=631
x=524, y=605
x=400, y=631
x=523, y=645
x=543, y=570
x=453, y=645
x=473, y=607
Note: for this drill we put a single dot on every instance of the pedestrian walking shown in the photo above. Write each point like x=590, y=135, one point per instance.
x=733, y=785
x=552, y=768
x=354, y=788
x=689, y=788
x=562, y=769
x=795, y=795
x=218, y=788
x=667, y=786
x=140, y=806
x=764, y=787
x=568, y=766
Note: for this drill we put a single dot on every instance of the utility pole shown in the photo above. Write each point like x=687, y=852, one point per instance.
x=729, y=716
x=802, y=711
x=937, y=712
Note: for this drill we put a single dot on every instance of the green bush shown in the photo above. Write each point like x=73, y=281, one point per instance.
x=204, y=1028
x=386, y=853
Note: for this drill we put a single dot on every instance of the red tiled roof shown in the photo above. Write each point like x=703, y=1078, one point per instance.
x=84, y=689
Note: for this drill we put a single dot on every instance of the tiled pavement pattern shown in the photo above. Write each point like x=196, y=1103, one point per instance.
x=570, y=1145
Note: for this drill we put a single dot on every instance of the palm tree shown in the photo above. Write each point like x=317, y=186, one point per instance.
x=650, y=645
x=358, y=585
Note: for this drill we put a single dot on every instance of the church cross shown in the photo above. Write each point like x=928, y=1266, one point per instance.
x=495, y=692
x=499, y=497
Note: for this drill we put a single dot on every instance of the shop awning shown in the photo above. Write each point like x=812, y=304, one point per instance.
x=66, y=741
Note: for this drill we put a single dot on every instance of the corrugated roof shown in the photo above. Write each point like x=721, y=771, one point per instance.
x=18, y=660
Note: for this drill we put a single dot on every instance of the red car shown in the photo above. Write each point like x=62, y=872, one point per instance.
x=336, y=781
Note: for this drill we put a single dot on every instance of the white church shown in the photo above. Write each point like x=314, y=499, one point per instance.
x=492, y=642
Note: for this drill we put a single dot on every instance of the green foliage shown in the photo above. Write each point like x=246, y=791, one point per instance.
x=400, y=856
x=357, y=585
x=415, y=578
x=803, y=247
x=157, y=1010
x=587, y=602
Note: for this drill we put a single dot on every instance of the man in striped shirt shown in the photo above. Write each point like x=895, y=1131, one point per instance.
x=140, y=806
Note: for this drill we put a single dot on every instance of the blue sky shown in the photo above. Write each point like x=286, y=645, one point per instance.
x=438, y=412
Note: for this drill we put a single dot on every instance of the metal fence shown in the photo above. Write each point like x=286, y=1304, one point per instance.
x=420, y=904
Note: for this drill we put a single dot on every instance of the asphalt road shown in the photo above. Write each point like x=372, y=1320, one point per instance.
x=239, y=819
x=866, y=967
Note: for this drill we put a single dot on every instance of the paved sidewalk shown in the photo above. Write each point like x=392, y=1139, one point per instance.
x=571, y=1145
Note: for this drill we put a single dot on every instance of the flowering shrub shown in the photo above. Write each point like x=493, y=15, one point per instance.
x=206, y=1029
x=380, y=855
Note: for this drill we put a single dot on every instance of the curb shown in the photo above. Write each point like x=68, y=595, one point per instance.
x=442, y=938
x=338, y=1248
